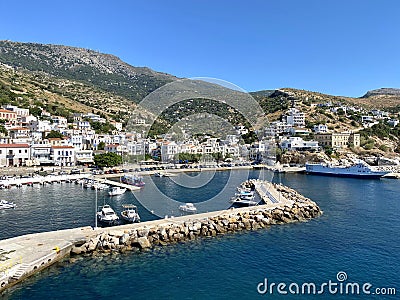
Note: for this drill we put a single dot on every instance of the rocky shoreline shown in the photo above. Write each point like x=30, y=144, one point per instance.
x=171, y=231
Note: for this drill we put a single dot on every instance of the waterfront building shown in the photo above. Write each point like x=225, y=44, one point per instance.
x=84, y=157
x=63, y=155
x=14, y=155
x=41, y=153
x=298, y=144
x=169, y=151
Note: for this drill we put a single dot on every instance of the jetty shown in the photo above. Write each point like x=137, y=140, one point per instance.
x=23, y=256
x=117, y=183
x=49, y=179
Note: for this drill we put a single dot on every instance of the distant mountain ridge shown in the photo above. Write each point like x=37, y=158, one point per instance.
x=383, y=92
x=104, y=71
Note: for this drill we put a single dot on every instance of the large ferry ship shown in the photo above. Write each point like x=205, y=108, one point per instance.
x=358, y=170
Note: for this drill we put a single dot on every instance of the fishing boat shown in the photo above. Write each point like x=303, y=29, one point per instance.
x=130, y=214
x=116, y=190
x=133, y=180
x=4, y=204
x=107, y=215
x=188, y=207
x=358, y=170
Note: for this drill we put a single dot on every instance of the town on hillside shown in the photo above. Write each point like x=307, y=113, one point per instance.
x=50, y=140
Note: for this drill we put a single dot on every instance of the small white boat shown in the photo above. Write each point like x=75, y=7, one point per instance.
x=130, y=214
x=188, y=207
x=4, y=204
x=99, y=186
x=243, y=202
x=164, y=174
x=116, y=190
x=107, y=215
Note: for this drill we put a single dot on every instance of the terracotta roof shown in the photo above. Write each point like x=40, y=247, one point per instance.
x=19, y=128
x=14, y=146
x=62, y=147
x=7, y=111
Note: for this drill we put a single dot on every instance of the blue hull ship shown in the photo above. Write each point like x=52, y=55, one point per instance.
x=358, y=170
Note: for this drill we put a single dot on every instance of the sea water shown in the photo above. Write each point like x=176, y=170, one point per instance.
x=357, y=236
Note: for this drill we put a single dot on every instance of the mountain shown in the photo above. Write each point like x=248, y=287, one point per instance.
x=388, y=92
x=104, y=71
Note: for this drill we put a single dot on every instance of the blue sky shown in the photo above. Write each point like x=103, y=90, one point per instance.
x=330, y=46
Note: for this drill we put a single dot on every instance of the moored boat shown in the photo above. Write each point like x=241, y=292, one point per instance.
x=107, y=215
x=130, y=214
x=116, y=190
x=188, y=207
x=358, y=170
x=4, y=204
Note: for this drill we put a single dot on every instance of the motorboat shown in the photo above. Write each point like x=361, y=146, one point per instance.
x=245, y=195
x=130, y=214
x=188, y=207
x=4, y=204
x=164, y=174
x=243, y=202
x=99, y=186
x=116, y=190
x=107, y=215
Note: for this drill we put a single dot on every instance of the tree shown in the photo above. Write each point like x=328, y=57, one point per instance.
x=101, y=145
x=3, y=130
x=54, y=134
x=108, y=159
x=35, y=111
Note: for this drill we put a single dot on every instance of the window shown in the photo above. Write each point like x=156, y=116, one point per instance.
x=19, y=151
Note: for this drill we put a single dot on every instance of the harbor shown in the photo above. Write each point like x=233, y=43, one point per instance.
x=25, y=255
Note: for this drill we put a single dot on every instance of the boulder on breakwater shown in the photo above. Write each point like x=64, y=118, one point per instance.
x=168, y=231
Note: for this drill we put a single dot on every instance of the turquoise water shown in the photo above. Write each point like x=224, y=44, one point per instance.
x=358, y=234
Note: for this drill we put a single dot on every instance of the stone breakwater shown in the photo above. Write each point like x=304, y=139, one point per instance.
x=176, y=230
x=23, y=256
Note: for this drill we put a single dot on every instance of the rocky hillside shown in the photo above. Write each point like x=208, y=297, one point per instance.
x=102, y=71
x=388, y=92
x=58, y=96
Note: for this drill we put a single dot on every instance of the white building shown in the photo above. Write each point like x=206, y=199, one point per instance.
x=63, y=155
x=169, y=151
x=117, y=125
x=41, y=153
x=39, y=125
x=298, y=144
x=295, y=118
x=83, y=125
x=14, y=154
x=21, y=112
x=393, y=122
x=320, y=128
x=59, y=122
x=84, y=157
